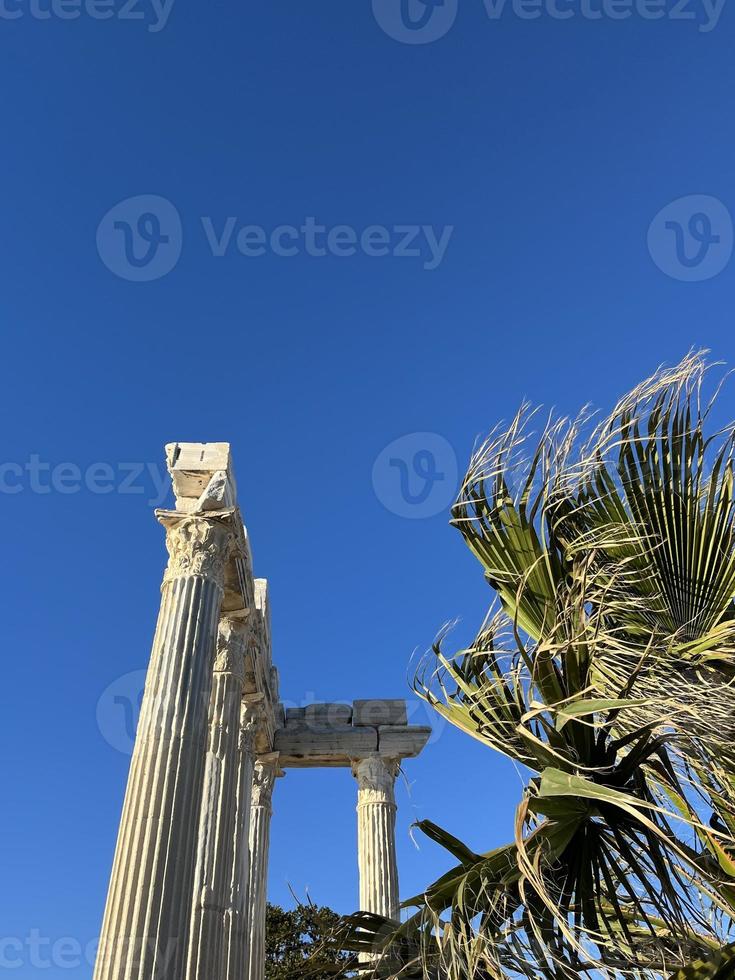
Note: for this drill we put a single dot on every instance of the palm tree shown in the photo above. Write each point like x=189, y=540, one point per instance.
x=605, y=668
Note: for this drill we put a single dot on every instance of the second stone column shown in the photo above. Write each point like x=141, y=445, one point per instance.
x=236, y=915
x=216, y=843
x=376, y=835
x=266, y=771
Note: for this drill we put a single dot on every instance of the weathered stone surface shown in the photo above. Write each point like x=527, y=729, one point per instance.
x=402, y=742
x=302, y=745
x=215, y=495
x=321, y=734
x=192, y=465
x=321, y=714
x=375, y=712
x=334, y=713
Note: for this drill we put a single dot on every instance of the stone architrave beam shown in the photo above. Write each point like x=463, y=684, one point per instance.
x=336, y=734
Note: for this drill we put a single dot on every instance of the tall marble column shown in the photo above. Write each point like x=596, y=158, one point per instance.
x=236, y=915
x=216, y=841
x=376, y=835
x=146, y=922
x=266, y=770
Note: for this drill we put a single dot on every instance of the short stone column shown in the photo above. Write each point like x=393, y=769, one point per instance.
x=376, y=835
x=236, y=915
x=146, y=923
x=266, y=770
x=216, y=843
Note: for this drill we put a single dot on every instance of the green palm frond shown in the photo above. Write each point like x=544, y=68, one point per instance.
x=719, y=966
x=608, y=673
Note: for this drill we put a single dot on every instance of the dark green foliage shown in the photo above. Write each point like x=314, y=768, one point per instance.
x=296, y=944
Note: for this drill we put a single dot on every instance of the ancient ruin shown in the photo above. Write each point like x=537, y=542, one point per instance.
x=187, y=892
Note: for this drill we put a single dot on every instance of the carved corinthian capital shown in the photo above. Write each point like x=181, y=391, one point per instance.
x=250, y=711
x=376, y=778
x=232, y=639
x=197, y=546
x=264, y=778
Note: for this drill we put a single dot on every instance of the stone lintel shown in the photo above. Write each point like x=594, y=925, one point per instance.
x=402, y=741
x=334, y=713
x=303, y=745
x=380, y=712
x=337, y=733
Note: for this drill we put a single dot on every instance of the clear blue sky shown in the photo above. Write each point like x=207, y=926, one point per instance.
x=548, y=145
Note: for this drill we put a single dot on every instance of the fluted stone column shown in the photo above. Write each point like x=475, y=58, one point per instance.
x=216, y=842
x=376, y=835
x=146, y=922
x=236, y=915
x=266, y=770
